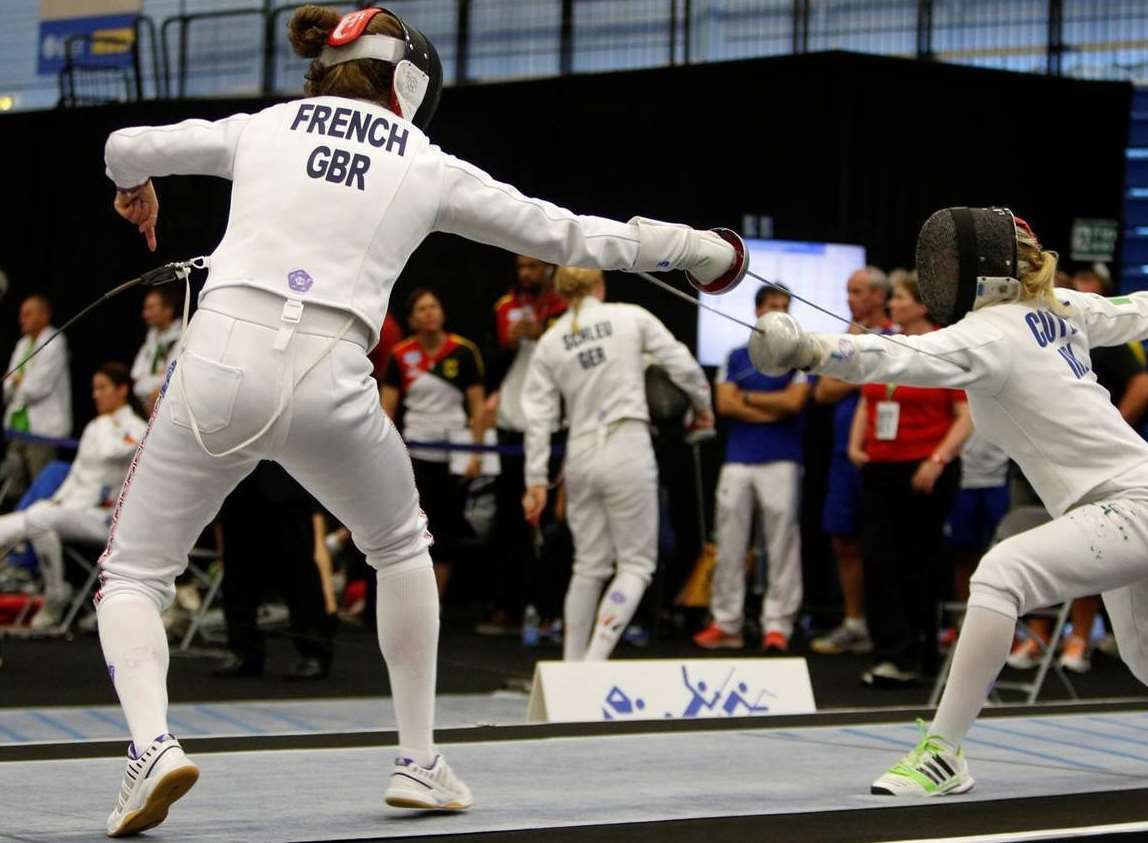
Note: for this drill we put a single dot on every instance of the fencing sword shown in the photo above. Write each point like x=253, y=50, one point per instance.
x=166, y=274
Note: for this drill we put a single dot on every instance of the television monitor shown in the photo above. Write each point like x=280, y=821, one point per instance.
x=814, y=271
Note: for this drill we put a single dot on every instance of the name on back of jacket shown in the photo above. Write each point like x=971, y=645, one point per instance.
x=588, y=334
x=340, y=166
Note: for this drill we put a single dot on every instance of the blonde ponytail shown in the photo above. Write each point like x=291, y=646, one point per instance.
x=574, y=283
x=1037, y=270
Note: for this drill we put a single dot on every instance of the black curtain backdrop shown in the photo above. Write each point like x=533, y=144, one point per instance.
x=834, y=147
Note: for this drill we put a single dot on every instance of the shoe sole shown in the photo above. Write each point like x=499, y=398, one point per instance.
x=414, y=803
x=833, y=650
x=166, y=791
x=724, y=645
x=965, y=787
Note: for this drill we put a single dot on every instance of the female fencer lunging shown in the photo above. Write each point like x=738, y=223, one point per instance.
x=593, y=360
x=1020, y=349
x=330, y=196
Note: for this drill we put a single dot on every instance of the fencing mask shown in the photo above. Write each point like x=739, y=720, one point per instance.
x=417, y=84
x=966, y=257
x=667, y=401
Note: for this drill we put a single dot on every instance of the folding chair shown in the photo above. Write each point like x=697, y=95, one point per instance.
x=211, y=581
x=1018, y=520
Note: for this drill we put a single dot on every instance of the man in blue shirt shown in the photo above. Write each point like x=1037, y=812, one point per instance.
x=762, y=472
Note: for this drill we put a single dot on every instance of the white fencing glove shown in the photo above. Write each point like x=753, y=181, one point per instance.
x=779, y=345
x=715, y=261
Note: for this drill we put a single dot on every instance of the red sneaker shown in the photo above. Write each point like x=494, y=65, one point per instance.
x=713, y=637
x=775, y=642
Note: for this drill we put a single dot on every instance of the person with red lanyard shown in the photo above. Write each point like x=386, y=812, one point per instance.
x=438, y=378
x=906, y=441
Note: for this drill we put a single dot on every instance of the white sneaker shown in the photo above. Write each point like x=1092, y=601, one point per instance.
x=434, y=788
x=844, y=639
x=933, y=768
x=48, y=616
x=1075, y=656
x=152, y=782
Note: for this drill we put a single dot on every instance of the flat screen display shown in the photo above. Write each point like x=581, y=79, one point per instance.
x=814, y=271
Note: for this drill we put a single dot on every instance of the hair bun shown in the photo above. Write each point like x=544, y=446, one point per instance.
x=309, y=28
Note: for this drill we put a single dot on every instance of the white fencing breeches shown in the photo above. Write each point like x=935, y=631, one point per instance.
x=612, y=503
x=333, y=437
x=774, y=489
x=1096, y=548
x=46, y=525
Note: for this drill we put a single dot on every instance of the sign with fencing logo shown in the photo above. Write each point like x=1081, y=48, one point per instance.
x=665, y=689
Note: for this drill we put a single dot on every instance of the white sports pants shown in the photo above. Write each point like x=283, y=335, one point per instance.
x=774, y=489
x=612, y=502
x=46, y=525
x=1098, y=547
x=333, y=437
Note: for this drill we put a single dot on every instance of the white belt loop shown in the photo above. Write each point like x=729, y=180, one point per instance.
x=292, y=313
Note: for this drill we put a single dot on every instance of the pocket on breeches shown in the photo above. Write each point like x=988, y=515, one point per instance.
x=210, y=388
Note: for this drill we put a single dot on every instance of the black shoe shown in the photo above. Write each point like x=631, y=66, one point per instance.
x=235, y=666
x=309, y=668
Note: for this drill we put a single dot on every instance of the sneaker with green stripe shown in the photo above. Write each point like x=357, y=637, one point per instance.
x=933, y=768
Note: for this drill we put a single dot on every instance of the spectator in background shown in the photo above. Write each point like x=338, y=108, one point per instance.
x=149, y=371
x=983, y=500
x=438, y=378
x=762, y=473
x=37, y=397
x=80, y=510
x=868, y=294
x=521, y=317
x=1119, y=369
x=271, y=539
x=907, y=442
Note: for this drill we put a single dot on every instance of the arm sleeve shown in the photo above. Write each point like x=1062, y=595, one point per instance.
x=393, y=377
x=541, y=404
x=43, y=373
x=17, y=355
x=478, y=207
x=675, y=357
x=193, y=147
x=967, y=355
x=1111, y=321
x=473, y=373
x=113, y=443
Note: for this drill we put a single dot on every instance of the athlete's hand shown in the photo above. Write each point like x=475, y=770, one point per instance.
x=779, y=345
x=474, y=467
x=925, y=477
x=140, y=207
x=703, y=420
x=533, y=502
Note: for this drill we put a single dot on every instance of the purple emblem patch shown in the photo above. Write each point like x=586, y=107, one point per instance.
x=299, y=281
x=617, y=597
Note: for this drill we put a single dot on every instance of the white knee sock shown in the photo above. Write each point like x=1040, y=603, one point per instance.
x=982, y=648
x=578, y=615
x=618, y=605
x=408, y=636
x=135, y=650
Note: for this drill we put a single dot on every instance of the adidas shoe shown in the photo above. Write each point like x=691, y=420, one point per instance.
x=933, y=768
x=152, y=782
x=713, y=637
x=847, y=638
x=433, y=788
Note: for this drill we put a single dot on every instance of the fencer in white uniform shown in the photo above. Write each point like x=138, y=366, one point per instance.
x=330, y=195
x=1020, y=350
x=592, y=360
x=80, y=510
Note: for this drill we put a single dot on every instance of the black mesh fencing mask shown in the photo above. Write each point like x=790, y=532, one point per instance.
x=959, y=252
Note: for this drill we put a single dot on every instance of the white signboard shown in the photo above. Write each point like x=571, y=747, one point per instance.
x=663, y=689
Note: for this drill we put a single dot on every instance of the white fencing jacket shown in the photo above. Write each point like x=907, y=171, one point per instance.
x=45, y=391
x=331, y=196
x=150, y=367
x=1030, y=384
x=599, y=369
x=107, y=446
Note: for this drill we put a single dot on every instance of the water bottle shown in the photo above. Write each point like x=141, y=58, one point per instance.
x=530, y=626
